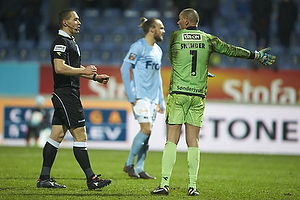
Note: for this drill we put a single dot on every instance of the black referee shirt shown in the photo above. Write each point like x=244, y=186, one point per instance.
x=64, y=47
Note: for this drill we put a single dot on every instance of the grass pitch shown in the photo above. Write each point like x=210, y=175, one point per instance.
x=221, y=176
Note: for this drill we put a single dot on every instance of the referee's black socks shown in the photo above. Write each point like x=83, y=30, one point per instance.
x=81, y=155
x=49, y=154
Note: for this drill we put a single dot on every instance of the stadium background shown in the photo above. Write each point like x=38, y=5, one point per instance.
x=250, y=108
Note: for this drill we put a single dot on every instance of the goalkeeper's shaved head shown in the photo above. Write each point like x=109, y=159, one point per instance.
x=191, y=14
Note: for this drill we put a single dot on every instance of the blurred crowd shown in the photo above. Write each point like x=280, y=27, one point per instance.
x=253, y=24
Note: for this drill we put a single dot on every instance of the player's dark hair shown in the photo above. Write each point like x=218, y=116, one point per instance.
x=147, y=24
x=64, y=14
x=191, y=14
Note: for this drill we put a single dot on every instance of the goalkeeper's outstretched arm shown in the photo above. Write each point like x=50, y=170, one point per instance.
x=222, y=47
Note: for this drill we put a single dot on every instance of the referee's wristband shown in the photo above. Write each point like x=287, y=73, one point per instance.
x=94, y=77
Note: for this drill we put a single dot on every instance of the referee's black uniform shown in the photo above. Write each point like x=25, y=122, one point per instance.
x=66, y=96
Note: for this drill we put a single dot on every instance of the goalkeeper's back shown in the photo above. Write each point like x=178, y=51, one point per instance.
x=189, y=51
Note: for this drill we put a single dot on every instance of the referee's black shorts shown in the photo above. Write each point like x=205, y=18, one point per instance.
x=67, y=107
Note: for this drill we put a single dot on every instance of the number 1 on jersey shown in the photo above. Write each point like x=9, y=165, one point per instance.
x=194, y=62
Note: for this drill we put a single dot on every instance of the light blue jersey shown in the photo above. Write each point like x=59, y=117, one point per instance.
x=146, y=83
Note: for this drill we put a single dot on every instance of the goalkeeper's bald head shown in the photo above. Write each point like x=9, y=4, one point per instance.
x=192, y=15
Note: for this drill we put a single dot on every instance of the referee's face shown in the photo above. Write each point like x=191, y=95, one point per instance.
x=73, y=24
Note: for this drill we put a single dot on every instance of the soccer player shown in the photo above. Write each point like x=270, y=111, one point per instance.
x=38, y=121
x=68, y=111
x=144, y=91
x=189, y=51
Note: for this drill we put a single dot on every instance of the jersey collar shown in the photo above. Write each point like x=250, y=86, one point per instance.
x=192, y=28
x=63, y=33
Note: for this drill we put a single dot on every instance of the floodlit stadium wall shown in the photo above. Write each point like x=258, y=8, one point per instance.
x=247, y=111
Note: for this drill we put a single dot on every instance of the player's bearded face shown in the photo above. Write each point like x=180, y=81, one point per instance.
x=158, y=36
x=159, y=31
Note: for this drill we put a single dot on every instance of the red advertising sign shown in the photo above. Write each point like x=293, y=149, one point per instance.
x=255, y=86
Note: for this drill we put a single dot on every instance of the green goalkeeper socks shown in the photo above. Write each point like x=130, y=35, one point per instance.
x=168, y=161
x=193, y=159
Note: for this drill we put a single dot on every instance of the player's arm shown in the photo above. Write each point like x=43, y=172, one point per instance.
x=129, y=62
x=125, y=72
x=62, y=68
x=229, y=50
x=171, y=42
x=223, y=48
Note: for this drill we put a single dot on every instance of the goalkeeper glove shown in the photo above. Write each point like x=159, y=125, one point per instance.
x=264, y=58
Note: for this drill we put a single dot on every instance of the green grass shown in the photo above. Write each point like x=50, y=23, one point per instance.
x=221, y=176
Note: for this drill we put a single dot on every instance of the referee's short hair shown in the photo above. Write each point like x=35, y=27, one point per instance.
x=64, y=14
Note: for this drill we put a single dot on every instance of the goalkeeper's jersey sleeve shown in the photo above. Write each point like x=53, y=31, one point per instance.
x=189, y=51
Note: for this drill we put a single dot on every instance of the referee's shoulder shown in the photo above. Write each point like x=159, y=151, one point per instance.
x=57, y=38
x=61, y=40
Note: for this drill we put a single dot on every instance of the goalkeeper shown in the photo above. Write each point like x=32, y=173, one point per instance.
x=189, y=51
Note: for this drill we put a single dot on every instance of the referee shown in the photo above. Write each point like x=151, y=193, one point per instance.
x=68, y=111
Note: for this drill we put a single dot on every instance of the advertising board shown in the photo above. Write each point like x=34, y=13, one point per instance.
x=263, y=86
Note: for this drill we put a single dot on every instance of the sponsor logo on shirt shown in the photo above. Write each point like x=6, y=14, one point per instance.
x=189, y=89
x=132, y=56
x=191, y=37
x=60, y=48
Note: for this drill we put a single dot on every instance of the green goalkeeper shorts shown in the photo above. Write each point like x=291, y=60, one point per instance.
x=185, y=109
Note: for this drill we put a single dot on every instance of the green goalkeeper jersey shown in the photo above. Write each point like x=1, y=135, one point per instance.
x=189, y=51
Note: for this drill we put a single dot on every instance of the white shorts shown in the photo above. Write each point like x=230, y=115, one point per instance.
x=144, y=111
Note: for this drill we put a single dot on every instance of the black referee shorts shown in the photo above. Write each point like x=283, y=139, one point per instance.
x=67, y=108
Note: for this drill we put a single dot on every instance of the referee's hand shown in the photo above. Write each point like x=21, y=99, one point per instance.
x=102, y=78
x=90, y=69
